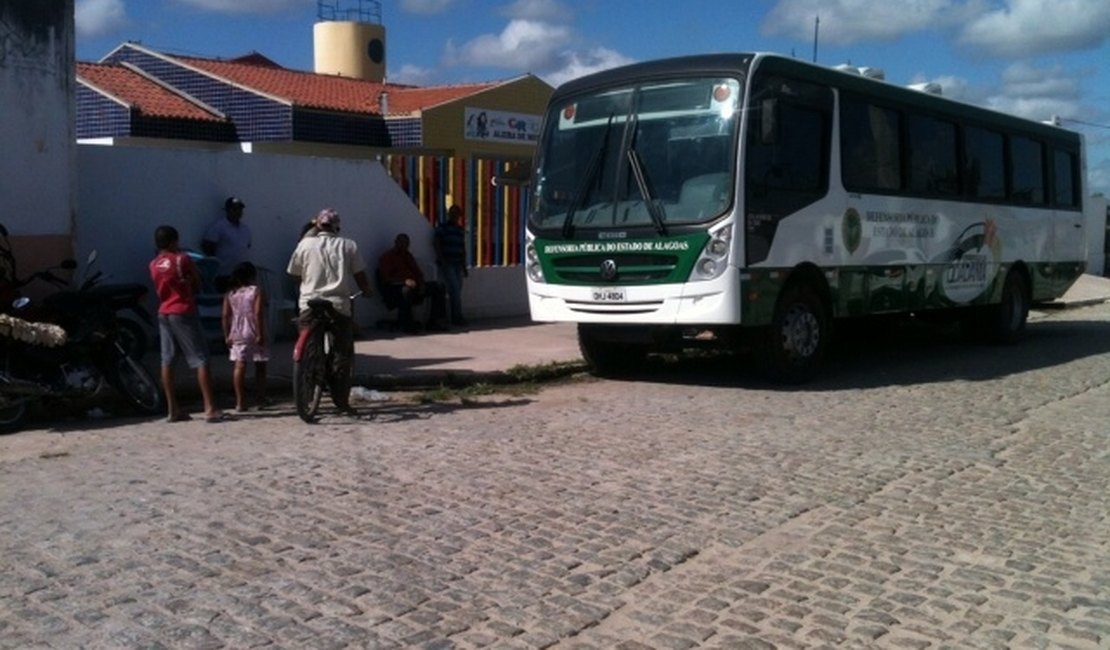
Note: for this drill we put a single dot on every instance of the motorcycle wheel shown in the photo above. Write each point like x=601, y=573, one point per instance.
x=131, y=378
x=11, y=417
x=132, y=337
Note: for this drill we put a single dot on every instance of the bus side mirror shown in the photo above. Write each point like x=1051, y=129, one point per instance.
x=769, y=121
x=517, y=174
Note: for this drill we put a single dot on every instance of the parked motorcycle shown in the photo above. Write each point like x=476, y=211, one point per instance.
x=45, y=362
x=90, y=293
x=70, y=345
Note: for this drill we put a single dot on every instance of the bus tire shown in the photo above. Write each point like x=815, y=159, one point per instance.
x=608, y=358
x=795, y=342
x=1004, y=323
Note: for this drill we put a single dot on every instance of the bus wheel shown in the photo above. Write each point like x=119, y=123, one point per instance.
x=609, y=358
x=796, y=340
x=1004, y=323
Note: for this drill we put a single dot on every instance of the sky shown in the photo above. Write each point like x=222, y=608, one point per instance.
x=1034, y=58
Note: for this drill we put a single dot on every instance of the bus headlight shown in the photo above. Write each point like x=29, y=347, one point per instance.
x=532, y=263
x=714, y=257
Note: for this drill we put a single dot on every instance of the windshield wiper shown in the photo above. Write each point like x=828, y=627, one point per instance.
x=644, y=183
x=587, y=180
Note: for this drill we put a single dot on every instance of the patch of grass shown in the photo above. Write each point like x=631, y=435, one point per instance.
x=544, y=371
x=518, y=380
x=471, y=394
x=441, y=394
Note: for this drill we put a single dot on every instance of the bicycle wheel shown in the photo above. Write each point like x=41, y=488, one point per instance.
x=309, y=374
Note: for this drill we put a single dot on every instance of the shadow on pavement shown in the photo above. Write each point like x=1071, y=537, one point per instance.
x=886, y=353
x=399, y=408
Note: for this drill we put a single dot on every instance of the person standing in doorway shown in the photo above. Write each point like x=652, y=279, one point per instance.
x=450, y=247
x=228, y=239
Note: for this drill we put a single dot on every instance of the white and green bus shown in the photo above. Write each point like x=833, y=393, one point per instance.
x=754, y=199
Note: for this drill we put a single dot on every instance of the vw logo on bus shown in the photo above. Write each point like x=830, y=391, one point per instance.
x=609, y=270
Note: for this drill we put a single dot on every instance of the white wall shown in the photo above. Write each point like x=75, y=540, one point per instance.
x=1096, y=224
x=36, y=128
x=125, y=192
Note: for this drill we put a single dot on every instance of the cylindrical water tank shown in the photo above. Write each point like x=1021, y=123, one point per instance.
x=348, y=48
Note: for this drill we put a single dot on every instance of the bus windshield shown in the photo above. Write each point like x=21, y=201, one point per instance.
x=650, y=155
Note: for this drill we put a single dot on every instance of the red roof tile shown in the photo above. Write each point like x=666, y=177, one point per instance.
x=150, y=98
x=331, y=92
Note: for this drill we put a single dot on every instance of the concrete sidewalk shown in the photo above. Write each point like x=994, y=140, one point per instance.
x=1087, y=290
x=487, y=351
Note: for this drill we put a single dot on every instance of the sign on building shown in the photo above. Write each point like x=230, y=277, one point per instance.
x=498, y=126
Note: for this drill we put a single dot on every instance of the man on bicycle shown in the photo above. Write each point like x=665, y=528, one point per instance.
x=329, y=266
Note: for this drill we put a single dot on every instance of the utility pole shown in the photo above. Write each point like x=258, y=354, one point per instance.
x=816, y=26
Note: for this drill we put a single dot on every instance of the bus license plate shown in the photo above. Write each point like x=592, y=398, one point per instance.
x=609, y=294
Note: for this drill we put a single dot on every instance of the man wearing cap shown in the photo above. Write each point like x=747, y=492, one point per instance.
x=329, y=266
x=228, y=240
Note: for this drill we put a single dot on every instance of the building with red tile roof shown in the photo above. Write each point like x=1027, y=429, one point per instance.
x=136, y=91
x=119, y=100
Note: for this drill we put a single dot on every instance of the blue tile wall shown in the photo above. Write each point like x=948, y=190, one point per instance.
x=181, y=129
x=259, y=119
x=256, y=118
x=405, y=132
x=100, y=117
x=339, y=128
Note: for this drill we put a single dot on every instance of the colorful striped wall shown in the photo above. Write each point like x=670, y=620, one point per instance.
x=494, y=215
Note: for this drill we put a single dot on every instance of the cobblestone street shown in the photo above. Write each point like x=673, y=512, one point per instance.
x=931, y=494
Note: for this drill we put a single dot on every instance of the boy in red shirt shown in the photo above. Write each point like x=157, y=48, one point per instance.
x=176, y=282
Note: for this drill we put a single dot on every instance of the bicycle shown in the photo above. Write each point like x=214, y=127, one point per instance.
x=314, y=358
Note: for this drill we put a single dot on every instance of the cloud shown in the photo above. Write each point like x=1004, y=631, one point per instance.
x=953, y=87
x=1025, y=90
x=99, y=17
x=1037, y=93
x=426, y=7
x=851, y=21
x=246, y=6
x=413, y=75
x=1098, y=177
x=1029, y=27
x=538, y=39
x=523, y=45
x=1023, y=79
x=578, y=65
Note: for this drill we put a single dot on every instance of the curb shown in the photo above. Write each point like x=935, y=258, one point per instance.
x=465, y=378
x=1059, y=305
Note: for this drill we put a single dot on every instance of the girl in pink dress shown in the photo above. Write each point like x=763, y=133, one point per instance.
x=244, y=326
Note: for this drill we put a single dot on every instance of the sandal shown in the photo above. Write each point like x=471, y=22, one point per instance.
x=180, y=417
x=219, y=417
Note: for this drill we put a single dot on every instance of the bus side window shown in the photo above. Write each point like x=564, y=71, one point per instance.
x=769, y=122
x=1064, y=176
x=796, y=160
x=870, y=146
x=933, y=157
x=1027, y=177
x=787, y=155
x=984, y=164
